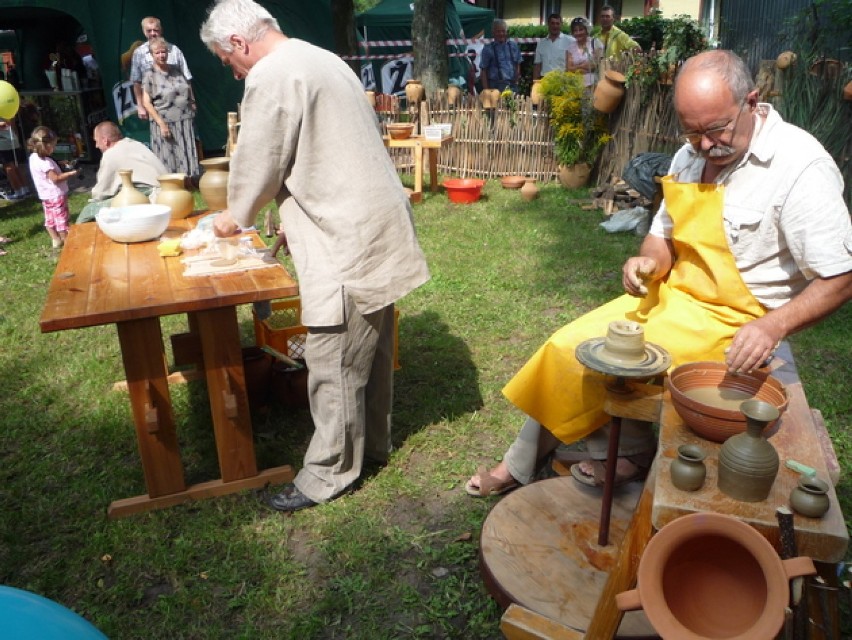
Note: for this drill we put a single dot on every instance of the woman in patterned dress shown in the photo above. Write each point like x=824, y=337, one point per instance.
x=168, y=98
x=584, y=52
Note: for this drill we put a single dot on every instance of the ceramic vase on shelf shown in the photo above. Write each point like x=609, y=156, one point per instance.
x=536, y=97
x=574, y=176
x=490, y=98
x=529, y=191
x=748, y=463
x=688, y=470
x=609, y=92
x=453, y=94
x=414, y=92
x=173, y=194
x=214, y=183
x=128, y=194
x=810, y=497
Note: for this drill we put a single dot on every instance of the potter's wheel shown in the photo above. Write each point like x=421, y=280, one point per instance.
x=593, y=354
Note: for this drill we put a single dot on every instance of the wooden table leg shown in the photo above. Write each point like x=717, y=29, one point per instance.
x=418, y=167
x=433, y=170
x=145, y=367
x=609, y=483
x=226, y=387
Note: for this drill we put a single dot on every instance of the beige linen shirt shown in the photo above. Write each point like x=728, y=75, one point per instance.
x=309, y=139
x=784, y=216
x=126, y=154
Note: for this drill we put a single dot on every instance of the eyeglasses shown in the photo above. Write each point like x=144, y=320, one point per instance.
x=715, y=134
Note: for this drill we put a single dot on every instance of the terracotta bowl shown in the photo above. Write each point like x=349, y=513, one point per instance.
x=400, y=130
x=707, y=397
x=463, y=190
x=512, y=182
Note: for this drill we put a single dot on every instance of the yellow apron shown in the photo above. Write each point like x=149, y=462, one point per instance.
x=693, y=313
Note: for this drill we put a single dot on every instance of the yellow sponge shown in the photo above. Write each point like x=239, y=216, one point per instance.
x=169, y=248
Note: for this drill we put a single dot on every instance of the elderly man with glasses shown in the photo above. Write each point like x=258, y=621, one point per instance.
x=752, y=244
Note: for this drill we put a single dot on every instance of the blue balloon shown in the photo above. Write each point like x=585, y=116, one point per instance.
x=27, y=615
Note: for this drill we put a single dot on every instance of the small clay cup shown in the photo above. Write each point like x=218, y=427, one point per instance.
x=688, y=470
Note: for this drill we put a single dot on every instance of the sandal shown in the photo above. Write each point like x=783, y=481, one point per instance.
x=641, y=463
x=489, y=485
x=5, y=240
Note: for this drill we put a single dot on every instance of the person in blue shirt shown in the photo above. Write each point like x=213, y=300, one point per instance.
x=500, y=66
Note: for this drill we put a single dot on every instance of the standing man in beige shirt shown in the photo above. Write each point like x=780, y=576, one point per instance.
x=309, y=139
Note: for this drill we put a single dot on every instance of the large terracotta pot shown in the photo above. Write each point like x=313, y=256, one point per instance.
x=128, y=194
x=414, y=91
x=574, y=176
x=214, y=183
x=707, y=575
x=609, y=92
x=173, y=194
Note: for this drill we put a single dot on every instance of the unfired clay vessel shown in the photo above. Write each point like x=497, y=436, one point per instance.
x=414, y=91
x=214, y=183
x=173, y=194
x=536, y=97
x=609, y=92
x=453, y=94
x=810, y=498
x=748, y=463
x=490, y=98
x=128, y=194
x=574, y=176
x=688, y=470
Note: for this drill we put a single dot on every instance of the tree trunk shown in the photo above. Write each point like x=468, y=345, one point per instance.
x=430, y=50
x=345, y=42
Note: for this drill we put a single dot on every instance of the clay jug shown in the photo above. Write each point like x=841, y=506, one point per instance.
x=414, y=92
x=490, y=98
x=810, y=498
x=785, y=59
x=574, y=176
x=529, y=191
x=453, y=94
x=173, y=194
x=536, y=97
x=214, y=183
x=748, y=463
x=688, y=470
x=609, y=92
x=128, y=194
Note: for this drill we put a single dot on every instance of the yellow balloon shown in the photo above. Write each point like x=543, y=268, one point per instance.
x=9, y=100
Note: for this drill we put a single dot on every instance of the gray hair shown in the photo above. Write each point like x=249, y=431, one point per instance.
x=728, y=66
x=499, y=23
x=244, y=18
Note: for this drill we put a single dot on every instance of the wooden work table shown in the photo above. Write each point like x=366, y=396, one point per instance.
x=417, y=144
x=98, y=281
x=794, y=437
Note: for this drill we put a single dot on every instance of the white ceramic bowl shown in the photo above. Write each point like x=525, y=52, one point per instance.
x=135, y=223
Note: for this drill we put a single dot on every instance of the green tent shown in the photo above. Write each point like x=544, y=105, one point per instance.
x=111, y=26
x=391, y=21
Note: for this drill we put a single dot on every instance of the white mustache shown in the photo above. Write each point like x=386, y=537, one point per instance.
x=719, y=151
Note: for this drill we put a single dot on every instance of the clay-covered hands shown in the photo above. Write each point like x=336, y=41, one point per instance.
x=752, y=345
x=636, y=272
x=224, y=225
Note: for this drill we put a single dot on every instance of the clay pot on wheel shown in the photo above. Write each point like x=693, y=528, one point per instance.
x=173, y=194
x=214, y=183
x=128, y=194
x=707, y=575
x=609, y=92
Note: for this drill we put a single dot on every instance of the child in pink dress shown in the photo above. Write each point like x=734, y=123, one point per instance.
x=51, y=183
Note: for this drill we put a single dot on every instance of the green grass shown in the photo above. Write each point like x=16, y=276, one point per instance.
x=395, y=559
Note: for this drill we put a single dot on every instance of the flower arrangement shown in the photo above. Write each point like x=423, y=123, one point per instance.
x=579, y=132
x=509, y=103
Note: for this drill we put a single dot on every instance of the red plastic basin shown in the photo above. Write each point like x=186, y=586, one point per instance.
x=463, y=190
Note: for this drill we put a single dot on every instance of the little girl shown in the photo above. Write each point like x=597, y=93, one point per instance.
x=51, y=183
